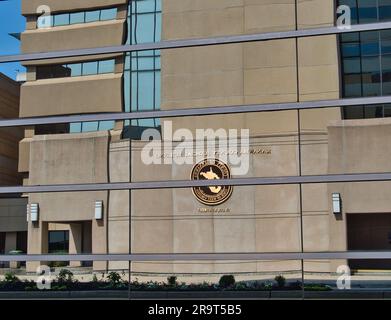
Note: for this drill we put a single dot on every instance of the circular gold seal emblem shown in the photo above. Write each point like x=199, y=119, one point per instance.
x=211, y=169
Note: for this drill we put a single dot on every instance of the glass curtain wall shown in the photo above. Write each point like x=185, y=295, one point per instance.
x=142, y=81
x=366, y=58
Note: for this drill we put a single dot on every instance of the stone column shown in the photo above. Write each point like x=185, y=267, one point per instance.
x=99, y=243
x=75, y=242
x=37, y=243
x=10, y=244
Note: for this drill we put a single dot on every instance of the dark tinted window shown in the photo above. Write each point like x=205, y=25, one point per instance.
x=75, y=69
x=58, y=241
x=366, y=58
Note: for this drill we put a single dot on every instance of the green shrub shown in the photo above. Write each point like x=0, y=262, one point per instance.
x=114, y=277
x=317, y=287
x=94, y=278
x=172, y=281
x=268, y=285
x=10, y=277
x=227, y=281
x=240, y=286
x=281, y=281
x=153, y=285
x=65, y=276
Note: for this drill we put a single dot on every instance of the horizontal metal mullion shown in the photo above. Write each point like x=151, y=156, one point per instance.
x=213, y=110
x=175, y=184
x=171, y=44
x=371, y=255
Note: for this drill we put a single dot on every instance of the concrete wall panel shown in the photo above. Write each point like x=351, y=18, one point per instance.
x=94, y=34
x=100, y=93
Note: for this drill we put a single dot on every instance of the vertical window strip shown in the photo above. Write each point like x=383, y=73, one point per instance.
x=380, y=109
x=154, y=60
x=142, y=62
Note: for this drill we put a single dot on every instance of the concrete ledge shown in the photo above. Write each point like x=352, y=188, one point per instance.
x=95, y=93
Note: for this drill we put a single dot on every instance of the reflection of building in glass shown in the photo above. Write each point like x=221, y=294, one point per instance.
x=13, y=226
x=278, y=218
x=366, y=59
x=64, y=19
x=142, y=68
x=58, y=242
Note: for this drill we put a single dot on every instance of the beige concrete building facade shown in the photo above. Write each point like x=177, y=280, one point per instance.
x=13, y=225
x=281, y=218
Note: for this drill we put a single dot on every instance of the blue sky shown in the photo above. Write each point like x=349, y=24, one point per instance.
x=11, y=21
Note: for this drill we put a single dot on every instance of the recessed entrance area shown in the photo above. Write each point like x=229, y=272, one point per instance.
x=70, y=238
x=371, y=232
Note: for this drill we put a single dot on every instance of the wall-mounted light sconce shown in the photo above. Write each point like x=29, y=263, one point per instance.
x=98, y=210
x=337, y=205
x=33, y=212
